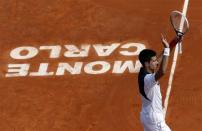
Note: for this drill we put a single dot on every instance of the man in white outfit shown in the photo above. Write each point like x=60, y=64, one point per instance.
x=153, y=68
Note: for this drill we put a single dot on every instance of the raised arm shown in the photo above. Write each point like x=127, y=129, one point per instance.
x=172, y=45
x=168, y=47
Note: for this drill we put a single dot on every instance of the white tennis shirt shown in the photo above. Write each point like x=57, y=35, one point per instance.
x=153, y=93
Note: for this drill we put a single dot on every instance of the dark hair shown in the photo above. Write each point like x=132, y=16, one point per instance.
x=146, y=55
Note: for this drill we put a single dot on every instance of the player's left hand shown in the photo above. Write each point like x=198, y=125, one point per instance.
x=164, y=41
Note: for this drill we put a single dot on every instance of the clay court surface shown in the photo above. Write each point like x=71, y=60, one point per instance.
x=94, y=102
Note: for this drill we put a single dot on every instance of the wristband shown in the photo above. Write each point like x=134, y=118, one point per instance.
x=166, y=52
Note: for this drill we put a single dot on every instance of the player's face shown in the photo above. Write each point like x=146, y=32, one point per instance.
x=153, y=63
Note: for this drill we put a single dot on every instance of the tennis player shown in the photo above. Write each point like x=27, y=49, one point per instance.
x=153, y=69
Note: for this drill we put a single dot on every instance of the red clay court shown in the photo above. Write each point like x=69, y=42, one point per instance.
x=71, y=65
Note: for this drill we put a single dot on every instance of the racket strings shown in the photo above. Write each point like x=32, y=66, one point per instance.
x=179, y=22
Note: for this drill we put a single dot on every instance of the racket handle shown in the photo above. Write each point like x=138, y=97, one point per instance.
x=180, y=48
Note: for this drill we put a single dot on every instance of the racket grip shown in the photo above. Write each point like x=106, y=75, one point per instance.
x=180, y=48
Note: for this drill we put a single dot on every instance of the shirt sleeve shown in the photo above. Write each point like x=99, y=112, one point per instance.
x=149, y=81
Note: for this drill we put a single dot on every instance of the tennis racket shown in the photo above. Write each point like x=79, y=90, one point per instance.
x=179, y=23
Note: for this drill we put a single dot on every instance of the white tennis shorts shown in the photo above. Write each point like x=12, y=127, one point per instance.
x=154, y=122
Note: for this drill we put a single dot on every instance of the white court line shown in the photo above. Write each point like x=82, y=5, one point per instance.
x=182, y=22
x=174, y=64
